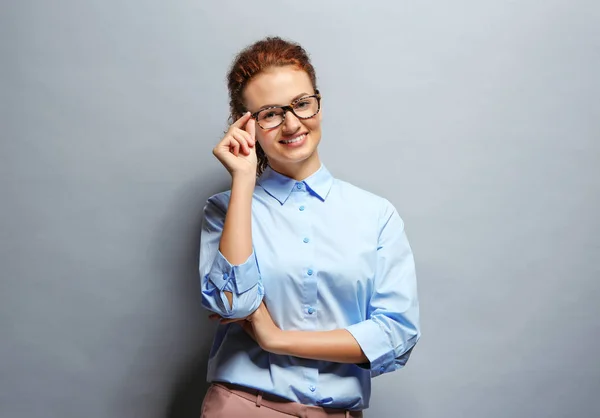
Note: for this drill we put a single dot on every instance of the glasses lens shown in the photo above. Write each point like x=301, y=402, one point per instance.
x=270, y=118
x=306, y=107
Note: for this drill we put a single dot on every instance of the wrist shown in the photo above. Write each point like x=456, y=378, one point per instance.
x=243, y=184
x=247, y=179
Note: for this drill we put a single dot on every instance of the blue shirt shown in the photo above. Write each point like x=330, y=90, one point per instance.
x=326, y=255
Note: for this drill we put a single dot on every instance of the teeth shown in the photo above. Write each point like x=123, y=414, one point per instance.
x=297, y=139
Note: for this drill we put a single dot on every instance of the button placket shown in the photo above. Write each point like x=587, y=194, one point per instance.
x=299, y=214
x=300, y=200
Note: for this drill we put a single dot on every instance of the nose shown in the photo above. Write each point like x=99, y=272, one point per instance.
x=291, y=123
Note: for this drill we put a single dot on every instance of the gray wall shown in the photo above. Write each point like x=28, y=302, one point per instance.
x=479, y=120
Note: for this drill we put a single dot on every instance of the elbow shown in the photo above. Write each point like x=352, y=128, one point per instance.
x=236, y=306
x=245, y=304
x=405, y=351
x=211, y=302
x=232, y=291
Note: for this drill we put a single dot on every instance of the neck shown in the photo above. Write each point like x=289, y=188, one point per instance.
x=298, y=171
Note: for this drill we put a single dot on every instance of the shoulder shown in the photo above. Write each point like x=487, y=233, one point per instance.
x=363, y=198
x=218, y=202
x=367, y=205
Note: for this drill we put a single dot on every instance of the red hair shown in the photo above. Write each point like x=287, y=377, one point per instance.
x=252, y=60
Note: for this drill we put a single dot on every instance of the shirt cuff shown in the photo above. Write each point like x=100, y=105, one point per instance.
x=376, y=345
x=244, y=276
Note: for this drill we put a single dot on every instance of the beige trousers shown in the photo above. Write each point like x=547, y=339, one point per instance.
x=224, y=400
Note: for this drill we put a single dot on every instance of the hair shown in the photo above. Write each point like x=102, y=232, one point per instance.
x=262, y=55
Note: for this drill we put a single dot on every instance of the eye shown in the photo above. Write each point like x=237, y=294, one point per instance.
x=268, y=114
x=302, y=104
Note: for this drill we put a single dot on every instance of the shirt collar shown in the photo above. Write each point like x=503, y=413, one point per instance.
x=280, y=186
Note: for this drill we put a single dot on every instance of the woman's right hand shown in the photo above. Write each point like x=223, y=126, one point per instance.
x=237, y=151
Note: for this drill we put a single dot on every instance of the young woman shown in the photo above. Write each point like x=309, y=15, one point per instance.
x=311, y=278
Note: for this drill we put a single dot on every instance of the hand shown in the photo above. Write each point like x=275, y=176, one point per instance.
x=260, y=326
x=237, y=151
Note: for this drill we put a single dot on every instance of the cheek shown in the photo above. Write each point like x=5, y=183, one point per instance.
x=265, y=138
x=314, y=124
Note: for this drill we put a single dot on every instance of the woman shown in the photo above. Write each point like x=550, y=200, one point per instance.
x=312, y=278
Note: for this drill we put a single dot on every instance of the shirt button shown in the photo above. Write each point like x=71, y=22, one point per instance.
x=298, y=185
x=311, y=310
x=382, y=369
x=301, y=208
x=305, y=240
x=225, y=276
x=312, y=388
x=310, y=272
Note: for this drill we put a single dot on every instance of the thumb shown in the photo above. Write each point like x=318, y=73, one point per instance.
x=251, y=128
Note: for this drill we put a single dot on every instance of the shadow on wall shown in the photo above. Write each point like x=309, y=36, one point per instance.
x=189, y=390
x=190, y=386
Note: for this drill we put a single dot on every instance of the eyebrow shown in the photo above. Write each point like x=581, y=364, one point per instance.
x=278, y=105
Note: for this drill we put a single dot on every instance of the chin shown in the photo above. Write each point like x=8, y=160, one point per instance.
x=287, y=160
x=283, y=155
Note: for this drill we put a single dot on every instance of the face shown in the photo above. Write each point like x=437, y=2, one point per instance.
x=279, y=86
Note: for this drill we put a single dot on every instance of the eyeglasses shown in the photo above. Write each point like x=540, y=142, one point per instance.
x=303, y=108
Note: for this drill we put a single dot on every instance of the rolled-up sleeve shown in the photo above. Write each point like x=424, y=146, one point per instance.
x=391, y=329
x=218, y=275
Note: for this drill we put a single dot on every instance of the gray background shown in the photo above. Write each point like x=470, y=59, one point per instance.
x=478, y=119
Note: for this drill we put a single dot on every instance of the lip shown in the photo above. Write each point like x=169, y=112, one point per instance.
x=294, y=144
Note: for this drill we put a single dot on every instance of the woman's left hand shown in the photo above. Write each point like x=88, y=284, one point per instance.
x=260, y=326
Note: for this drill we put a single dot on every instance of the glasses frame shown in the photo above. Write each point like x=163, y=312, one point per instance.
x=289, y=108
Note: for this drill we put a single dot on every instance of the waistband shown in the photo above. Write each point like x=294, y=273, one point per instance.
x=286, y=406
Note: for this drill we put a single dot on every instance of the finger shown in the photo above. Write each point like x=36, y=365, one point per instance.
x=246, y=135
x=230, y=321
x=251, y=129
x=241, y=138
x=234, y=147
x=214, y=316
x=225, y=144
x=241, y=121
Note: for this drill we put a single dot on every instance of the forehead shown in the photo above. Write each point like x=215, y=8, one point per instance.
x=276, y=86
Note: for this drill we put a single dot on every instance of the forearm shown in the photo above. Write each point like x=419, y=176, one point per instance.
x=337, y=345
x=236, y=238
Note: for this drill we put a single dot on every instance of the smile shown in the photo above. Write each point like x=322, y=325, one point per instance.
x=294, y=140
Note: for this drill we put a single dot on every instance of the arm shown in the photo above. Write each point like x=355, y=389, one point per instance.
x=392, y=328
x=236, y=238
x=337, y=345
x=231, y=284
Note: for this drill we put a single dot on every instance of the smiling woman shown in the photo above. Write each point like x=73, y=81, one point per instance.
x=310, y=306
x=299, y=133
